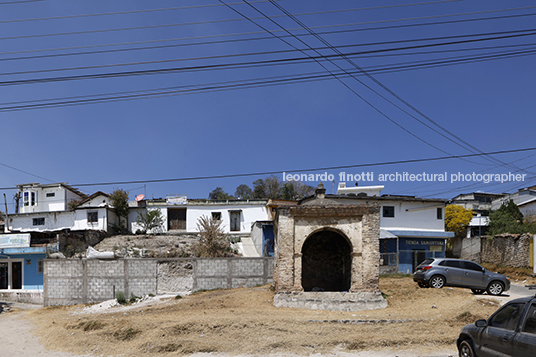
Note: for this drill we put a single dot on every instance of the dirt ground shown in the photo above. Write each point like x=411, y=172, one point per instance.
x=244, y=321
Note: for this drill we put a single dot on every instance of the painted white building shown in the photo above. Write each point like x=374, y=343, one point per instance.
x=525, y=199
x=411, y=228
x=237, y=216
x=56, y=207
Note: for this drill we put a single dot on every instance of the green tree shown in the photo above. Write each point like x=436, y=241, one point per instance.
x=259, y=189
x=150, y=220
x=213, y=240
x=457, y=219
x=243, y=192
x=507, y=219
x=119, y=200
x=219, y=194
x=296, y=190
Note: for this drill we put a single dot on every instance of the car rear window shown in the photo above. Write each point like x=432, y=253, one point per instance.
x=426, y=262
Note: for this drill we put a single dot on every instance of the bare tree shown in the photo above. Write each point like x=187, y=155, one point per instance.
x=214, y=242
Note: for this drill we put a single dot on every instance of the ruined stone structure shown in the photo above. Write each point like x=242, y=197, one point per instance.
x=327, y=255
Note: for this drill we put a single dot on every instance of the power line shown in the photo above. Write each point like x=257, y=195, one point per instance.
x=205, y=6
x=409, y=161
x=196, y=178
x=24, y=172
x=18, y=2
x=259, y=53
x=228, y=65
x=230, y=41
x=459, y=141
x=115, y=13
x=236, y=20
x=239, y=84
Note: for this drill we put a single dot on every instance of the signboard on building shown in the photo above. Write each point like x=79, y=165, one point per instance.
x=15, y=240
x=176, y=200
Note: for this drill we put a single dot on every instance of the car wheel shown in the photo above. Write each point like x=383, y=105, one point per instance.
x=478, y=291
x=466, y=349
x=437, y=282
x=495, y=288
x=422, y=285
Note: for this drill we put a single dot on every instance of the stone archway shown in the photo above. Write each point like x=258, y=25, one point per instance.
x=326, y=262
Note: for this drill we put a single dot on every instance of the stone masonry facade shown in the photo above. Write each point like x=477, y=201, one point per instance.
x=347, y=240
x=80, y=281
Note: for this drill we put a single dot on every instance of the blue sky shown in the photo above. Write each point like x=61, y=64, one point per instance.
x=479, y=93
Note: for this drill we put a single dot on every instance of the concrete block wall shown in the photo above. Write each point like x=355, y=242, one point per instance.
x=80, y=281
x=228, y=273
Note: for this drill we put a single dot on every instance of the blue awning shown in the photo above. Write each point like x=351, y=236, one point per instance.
x=421, y=234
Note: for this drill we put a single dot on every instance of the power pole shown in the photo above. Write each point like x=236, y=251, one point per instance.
x=6, y=222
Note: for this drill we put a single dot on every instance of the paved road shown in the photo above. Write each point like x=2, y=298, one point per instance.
x=516, y=291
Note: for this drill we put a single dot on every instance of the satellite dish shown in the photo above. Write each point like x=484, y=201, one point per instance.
x=140, y=197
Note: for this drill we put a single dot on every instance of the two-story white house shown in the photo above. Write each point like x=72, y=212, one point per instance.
x=411, y=228
x=56, y=207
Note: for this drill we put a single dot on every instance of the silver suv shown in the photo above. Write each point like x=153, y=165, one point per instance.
x=439, y=272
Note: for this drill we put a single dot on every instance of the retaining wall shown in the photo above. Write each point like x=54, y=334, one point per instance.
x=512, y=250
x=69, y=281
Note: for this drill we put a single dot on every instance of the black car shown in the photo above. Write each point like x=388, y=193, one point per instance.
x=510, y=331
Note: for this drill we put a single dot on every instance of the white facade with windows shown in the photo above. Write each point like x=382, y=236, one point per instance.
x=45, y=208
x=237, y=216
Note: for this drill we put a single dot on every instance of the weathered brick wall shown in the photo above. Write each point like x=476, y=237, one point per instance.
x=74, y=281
x=507, y=249
x=360, y=224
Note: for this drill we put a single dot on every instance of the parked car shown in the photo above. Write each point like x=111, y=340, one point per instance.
x=439, y=272
x=510, y=331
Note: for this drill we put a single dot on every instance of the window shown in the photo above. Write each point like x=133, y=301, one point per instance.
x=530, y=323
x=39, y=221
x=507, y=317
x=51, y=194
x=92, y=217
x=216, y=216
x=472, y=266
x=388, y=211
x=439, y=213
x=235, y=220
x=452, y=263
x=29, y=198
x=40, y=267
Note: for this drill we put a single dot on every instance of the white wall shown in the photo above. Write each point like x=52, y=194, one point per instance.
x=58, y=202
x=81, y=223
x=249, y=215
x=411, y=215
x=53, y=221
x=133, y=213
x=528, y=209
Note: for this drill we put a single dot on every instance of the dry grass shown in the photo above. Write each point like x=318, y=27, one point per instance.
x=520, y=275
x=245, y=321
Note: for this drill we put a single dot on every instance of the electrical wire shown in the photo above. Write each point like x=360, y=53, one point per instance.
x=236, y=20
x=265, y=173
x=455, y=138
x=239, y=84
x=220, y=66
x=226, y=41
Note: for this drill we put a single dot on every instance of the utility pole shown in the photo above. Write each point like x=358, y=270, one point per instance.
x=6, y=222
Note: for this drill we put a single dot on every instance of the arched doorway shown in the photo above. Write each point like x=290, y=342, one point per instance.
x=326, y=262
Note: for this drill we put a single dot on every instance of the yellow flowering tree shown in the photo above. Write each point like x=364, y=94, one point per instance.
x=457, y=219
